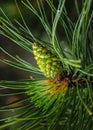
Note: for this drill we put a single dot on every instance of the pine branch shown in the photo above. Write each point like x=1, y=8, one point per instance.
x=64, y=98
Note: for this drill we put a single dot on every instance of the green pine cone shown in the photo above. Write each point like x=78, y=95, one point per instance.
x=49, y=63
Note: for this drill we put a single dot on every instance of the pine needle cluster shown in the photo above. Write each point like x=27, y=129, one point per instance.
x=63, y=98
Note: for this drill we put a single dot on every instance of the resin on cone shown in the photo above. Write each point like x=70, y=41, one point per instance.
x=48, y=62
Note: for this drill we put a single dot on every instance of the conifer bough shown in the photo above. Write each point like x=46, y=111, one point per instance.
x=48, y=62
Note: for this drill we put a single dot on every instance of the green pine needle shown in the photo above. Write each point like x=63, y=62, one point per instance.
x=63, y=103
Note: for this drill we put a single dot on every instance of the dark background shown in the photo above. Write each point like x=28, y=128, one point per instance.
x=9, y=7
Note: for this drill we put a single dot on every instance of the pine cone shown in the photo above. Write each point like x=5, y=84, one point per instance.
x=49, y=63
